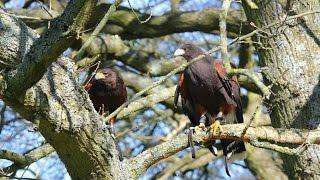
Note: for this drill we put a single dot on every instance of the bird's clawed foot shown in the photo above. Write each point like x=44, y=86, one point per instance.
x=214, y=126
x=199, y=128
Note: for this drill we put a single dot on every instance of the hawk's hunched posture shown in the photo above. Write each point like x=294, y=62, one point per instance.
x=107, y=92
x=209, y=96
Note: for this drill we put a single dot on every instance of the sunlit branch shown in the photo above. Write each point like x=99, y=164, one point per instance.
x=257, y=136
x=20, y=161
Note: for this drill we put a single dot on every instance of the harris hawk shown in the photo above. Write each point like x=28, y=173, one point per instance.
x=208, y=97
x=107, y=92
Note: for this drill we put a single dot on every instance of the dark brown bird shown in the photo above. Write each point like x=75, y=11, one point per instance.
x=107, y=92
x=209, y=96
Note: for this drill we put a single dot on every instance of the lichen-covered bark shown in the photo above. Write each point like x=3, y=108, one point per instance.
x=15, y=40
x=272, y=163
x=51, y=44
x=70, y=124
x=290, y=58
x=62, y=109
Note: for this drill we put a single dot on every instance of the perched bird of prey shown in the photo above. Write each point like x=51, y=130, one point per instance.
x=107, y=92
x=209, y=96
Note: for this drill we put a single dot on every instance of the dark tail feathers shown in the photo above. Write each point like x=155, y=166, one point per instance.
x=226, y=166
x=229, y=148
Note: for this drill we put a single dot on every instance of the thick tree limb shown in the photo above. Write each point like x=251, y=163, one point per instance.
x=49, y=46
x=66, y=116
x=125, y=24
x=294, y=136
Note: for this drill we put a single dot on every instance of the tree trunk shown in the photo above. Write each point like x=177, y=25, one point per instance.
x=271, y=161
x=289, y=56
x=62, y=108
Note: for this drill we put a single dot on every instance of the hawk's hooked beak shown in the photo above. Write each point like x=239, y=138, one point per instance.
x=179, y=52
x=99, y=75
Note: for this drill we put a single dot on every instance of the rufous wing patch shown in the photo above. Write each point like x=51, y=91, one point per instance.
x=218, y=66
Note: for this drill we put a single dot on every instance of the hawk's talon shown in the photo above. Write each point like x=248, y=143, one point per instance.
x=200, y=127
x=214, y=126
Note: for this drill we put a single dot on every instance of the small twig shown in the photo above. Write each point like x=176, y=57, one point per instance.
x=24, y=171
x=45, y=9
x=182, y=125
x=134, y=12
x=24, y=17
x=252, y=24
x=274, y=147
x=87, y=62
x=273, y=24
x=93, y=74
x=50, y=13
x=21, y=178
x=254, y=78
x=252, y=118
x=97, y=30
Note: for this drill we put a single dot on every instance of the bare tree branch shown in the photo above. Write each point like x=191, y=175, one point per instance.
x=21, y=161
x=206, y=20
x=148, y=101
x=223, y=34
x=233, y=131
x=70, y=124
x=49, y=46
x=97, y=30
x=66, y=116
x=26, y=158
x=203, y=156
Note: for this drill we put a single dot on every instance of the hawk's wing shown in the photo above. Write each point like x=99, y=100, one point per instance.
x=232, y=88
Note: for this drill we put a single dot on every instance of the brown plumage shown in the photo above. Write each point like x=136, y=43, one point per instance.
x=208, y=96
x=107, y=92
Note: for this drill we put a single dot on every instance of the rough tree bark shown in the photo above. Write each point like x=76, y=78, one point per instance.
x=57, y=102
x=69, y=123
x=289, y=56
